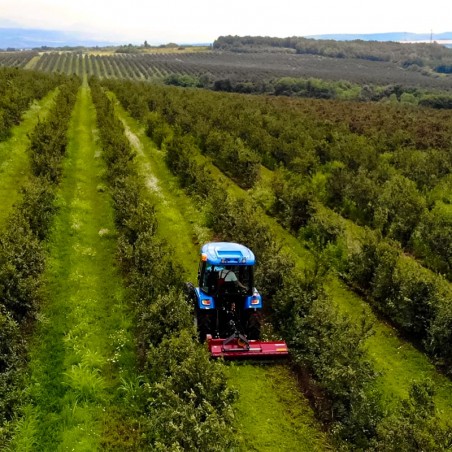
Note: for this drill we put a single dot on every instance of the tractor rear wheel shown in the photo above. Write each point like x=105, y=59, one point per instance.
x=253, y=326
x=203, y=324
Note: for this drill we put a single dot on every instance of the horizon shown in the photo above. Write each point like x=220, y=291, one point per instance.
x=199, y=22
x=28, y=38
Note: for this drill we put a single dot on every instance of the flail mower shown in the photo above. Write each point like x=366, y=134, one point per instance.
x=227, y=306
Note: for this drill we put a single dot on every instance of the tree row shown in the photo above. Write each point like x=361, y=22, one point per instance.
x=22, y=253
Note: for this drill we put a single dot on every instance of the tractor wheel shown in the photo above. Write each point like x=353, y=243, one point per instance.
x=204, y=325
x=253, y=326
x=190, y=294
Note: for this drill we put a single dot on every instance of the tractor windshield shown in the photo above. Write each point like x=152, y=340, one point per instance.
x=215, y=276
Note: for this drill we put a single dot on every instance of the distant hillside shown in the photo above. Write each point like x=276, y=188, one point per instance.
x=22, y=38
x=406, y=55
x=395, y=36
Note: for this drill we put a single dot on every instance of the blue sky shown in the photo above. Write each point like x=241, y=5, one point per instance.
x=204, y=20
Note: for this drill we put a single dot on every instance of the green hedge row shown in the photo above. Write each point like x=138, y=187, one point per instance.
x=328, y=348
x=373, y=164
x=184, y=395
x=416, y=300
x=22, y=255
x=18, y=88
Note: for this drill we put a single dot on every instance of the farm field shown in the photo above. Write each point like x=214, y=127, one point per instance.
x=212, y=65
x=115, y=184
x=77, y=361
x=384, y=344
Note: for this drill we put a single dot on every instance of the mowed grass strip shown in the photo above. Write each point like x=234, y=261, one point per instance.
x=14, y=159
x=272, y=414
x=82, y=348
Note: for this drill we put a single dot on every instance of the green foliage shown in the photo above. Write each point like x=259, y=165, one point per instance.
x=188, y=413
x=188, y=403
x=432, y=239
x=399, y=208
x=21, y=263
x=415, y=426
x=168, y=314
x=437, y=101
x=11, y=364
x=183, y=80
x=22, y=255
x=233, y=157
x=18, y=88
x=355, y=157
x=402, y=54
x=413, y=298
x=37, y=205
x=157, y=128
x=305, y=88
x=48, y=140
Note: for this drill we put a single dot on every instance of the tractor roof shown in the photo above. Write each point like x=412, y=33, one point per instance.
x=227, y=253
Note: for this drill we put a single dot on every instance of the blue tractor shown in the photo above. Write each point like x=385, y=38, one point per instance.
x=227, y=306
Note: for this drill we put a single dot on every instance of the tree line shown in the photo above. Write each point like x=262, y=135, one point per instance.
x=404, y=54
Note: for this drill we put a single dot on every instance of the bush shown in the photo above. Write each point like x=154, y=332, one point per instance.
x=21, y=264
x=189, y=402
x=415, y=426
x=168, y=314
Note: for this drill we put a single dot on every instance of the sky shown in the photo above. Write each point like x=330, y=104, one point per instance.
x=202, y=21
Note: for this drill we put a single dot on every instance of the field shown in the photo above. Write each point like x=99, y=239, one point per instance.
x=114, y=184
x=221, y=65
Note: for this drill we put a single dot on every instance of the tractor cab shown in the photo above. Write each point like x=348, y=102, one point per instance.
x=226, y=275
x=226, y=303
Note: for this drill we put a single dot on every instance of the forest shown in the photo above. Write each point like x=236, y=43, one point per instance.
x=114, y=180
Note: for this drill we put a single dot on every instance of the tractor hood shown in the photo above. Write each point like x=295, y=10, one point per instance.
x=227, y=253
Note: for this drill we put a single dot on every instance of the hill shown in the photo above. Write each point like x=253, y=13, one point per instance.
x=28, y=38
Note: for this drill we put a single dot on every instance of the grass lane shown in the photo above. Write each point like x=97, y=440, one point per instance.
x=83, y=345
x=272, y=414
x=14, y=162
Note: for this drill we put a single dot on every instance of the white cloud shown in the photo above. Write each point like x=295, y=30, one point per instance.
x=204, y=20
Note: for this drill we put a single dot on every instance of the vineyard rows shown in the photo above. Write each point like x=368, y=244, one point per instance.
x=216, y=66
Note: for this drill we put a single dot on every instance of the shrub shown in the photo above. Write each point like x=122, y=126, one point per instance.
x=189, y=402
x=415, y=426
